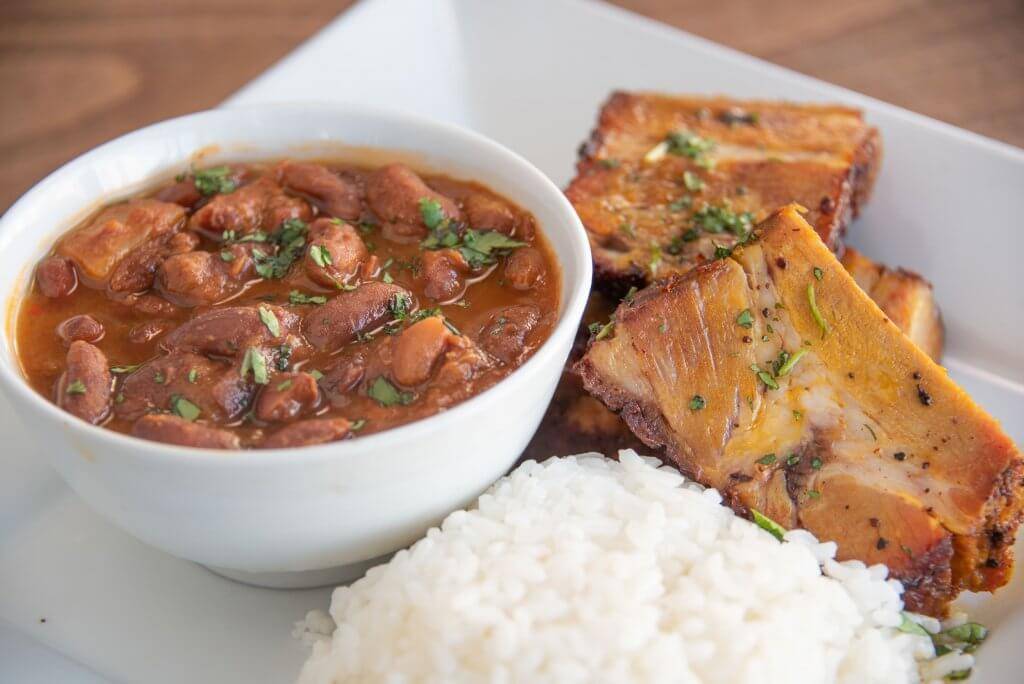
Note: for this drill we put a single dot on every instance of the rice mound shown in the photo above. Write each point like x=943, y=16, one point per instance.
x=584, y=569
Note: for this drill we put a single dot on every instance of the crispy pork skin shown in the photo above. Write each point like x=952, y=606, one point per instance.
x=905, y=297
x=664, y=180
x=771, y=376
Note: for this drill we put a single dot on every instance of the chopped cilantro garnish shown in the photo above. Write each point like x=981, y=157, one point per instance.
x=765, y=377
x=184, y=408
x=963, y=638
x=767, y=524
x=816, y=463
x=254, y=361
x=601, y=331
x=720, y=219
x=767, y=459
x=683, y=144
x=226, y=256
x=692, y=182
x=296, y=297
x=283, y=385
x=722, y=252
x=793, y=460
x=655, y=258
x=193, y=375
x=909, y=626
x=684, y=202
x=813, y=494
x=214, y=180
x=697, y=402
x=815, y=312
x=444, y=235
x=483, y=247
x=609, y=163
x=789, y=363
x=745, y=319
x=317, y=375
x=387, y=394
x=158, y=378
x=270, y=321
x=686, y=144
x=818, y=273
x=290, y=240
x=76, y=387
x=424, y=313
x=430, y=210
x=399, y=306
x=629, y=295
x=321, y=257
x=125, y=369
x=477, y=247
x=970, y=633
x=386, y=278
x=230, y=237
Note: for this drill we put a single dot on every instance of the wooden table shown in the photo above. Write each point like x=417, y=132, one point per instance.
x=74, y=73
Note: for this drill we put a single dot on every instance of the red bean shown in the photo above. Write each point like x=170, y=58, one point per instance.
x=394, y=193
x=338, y=321
x=444, y=271
x=417, y=349
x=161, y=427
x=336, y=196
x=524, y=268
x=287, y=397
x=56, y=277
x=335, y=253
x=85, y=387
x=504, y=336
x=308, y=432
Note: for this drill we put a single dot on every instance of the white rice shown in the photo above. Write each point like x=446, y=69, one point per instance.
x=584, y=569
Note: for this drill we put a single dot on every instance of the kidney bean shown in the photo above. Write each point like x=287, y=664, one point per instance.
x=162, y=427
x=84, y=389
x=308, y=432
x=336, y=196
x=349, y=313
x=56, y=277
x=504, y=335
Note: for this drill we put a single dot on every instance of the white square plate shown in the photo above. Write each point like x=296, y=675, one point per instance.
x=531, y=74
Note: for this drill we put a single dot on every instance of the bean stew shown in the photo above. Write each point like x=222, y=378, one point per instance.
x=286, y=303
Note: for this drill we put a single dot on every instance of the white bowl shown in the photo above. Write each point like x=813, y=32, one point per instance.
x=311, y=515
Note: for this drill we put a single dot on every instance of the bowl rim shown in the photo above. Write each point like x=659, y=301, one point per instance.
x=14, y=382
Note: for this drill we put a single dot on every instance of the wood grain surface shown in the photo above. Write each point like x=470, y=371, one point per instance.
x=74, y=73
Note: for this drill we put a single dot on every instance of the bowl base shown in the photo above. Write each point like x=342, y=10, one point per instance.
x=302, y=579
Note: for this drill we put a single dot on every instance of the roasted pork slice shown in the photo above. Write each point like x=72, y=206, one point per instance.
x=905, y=297
x=665, y=181
x=576, y=422
x=771, y=376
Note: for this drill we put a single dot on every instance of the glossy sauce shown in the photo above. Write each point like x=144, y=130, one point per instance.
x=487, y=301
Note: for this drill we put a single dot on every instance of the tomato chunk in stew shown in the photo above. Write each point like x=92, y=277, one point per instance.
x=283, y=304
